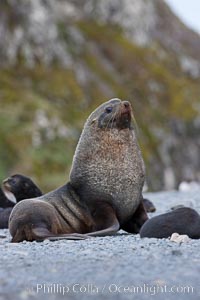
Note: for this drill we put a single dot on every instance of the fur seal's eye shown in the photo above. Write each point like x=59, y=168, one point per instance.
x=13, y=180
x=109, y=109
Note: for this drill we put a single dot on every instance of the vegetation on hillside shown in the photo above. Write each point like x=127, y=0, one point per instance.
x=43, y=108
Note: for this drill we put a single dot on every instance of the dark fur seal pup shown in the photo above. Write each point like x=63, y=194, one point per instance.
x=105, y=188
x=15, y=188
x=18, y=187
x=182, y=220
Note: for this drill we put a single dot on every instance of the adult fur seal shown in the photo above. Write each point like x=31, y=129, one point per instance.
x=14, y=189
x=105, y=188
x=182, y=220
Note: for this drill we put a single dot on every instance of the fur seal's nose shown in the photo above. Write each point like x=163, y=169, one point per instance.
x=6, y=180
x=126, y=104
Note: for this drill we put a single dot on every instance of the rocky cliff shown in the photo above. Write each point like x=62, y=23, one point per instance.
x=59, y=59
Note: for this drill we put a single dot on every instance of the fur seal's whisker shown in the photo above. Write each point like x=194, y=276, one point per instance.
x=108, y=122
x=135, y=124
x=114, y=117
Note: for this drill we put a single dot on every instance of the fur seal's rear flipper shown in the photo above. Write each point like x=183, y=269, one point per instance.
x=105, y=218
x=40, y=234
x=137, y=220
x=44, y=233
x=76, y=236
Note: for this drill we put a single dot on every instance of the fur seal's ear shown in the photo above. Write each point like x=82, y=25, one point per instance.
x=93, y=121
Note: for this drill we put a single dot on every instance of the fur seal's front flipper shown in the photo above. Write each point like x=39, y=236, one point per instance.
x=148, y=205
x=106, y=221
x=107, y=231
x=136, y=221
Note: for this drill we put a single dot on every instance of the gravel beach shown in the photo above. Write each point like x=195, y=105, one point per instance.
x=117, y=267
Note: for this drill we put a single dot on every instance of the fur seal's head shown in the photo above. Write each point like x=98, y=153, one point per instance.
x=18, y=187
x=112, y=114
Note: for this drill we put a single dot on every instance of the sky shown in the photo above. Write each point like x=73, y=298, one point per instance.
x=188, y=11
